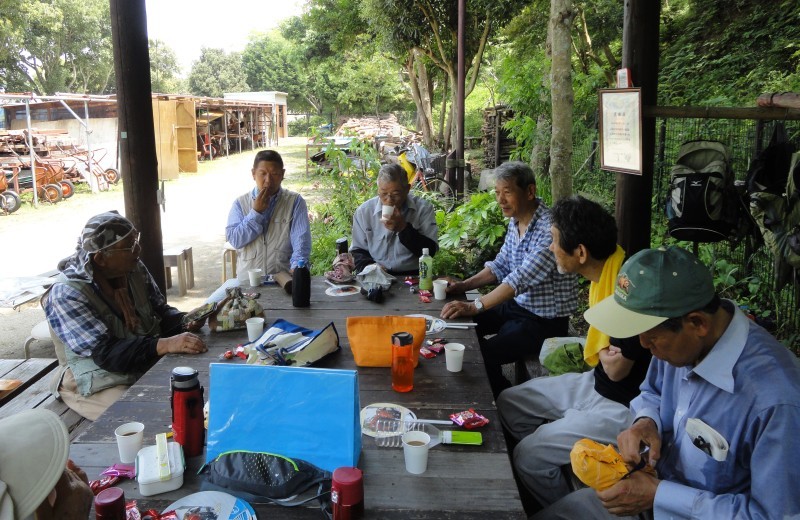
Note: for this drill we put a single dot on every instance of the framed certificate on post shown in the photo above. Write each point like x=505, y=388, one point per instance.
x=621, y=130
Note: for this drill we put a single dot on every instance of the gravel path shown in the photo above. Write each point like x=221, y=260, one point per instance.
x=35, y=239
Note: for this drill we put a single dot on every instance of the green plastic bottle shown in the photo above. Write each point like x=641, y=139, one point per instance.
x=425, y=270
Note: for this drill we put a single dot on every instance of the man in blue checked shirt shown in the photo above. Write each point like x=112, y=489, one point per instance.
x=108, y=319
x=268, y=225
x=532, y=301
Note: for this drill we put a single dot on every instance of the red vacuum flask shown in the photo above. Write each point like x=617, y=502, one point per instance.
x=347, y=494
x=187, y=410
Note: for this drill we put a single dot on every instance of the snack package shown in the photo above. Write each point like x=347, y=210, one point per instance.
x=599, y=466
x=469, y=419
x=427, y=354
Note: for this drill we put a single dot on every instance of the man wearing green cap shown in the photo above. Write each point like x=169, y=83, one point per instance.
x=717, y=409
x=108, y=319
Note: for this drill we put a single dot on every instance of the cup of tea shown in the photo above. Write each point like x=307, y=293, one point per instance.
x=129, y=441
x=415, y=451
x=386, y=212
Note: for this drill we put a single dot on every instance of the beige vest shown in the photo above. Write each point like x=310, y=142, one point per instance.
x=271, y=251
x=89, y=377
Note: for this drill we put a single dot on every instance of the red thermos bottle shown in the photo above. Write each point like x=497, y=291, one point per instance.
x=347, y=494
x=187, y=410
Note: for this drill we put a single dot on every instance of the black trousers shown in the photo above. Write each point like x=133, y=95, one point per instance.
x=518, y=333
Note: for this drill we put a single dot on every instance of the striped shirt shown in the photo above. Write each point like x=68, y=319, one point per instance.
x=529, y=267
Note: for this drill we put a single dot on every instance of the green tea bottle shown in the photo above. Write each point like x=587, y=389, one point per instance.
x=425, y=270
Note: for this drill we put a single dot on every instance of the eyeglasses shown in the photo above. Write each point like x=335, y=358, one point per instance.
x=130, y=250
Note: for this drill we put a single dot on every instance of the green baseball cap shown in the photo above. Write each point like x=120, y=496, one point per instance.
x=652, y=286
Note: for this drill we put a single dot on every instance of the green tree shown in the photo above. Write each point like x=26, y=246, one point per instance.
x=273, y=63
x=56, y=46
x=422, y=34
x=164, y=68
x=217, y=72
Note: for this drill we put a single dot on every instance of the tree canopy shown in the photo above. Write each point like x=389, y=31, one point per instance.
x=56, y=46
x=217, y=72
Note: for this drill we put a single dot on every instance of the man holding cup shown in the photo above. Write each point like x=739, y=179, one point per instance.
x=392, y=229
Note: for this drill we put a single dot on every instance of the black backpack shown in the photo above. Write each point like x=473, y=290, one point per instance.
x=702, y=202
x=769, y=168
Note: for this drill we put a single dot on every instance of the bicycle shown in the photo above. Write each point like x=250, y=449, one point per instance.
x=424, y=181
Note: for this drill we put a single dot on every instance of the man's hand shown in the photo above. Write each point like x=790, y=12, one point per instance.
x=73, y=497
x=194, y=326
x=630, y=496
x=185, y=343
x=261, y=204
x=631, y=442
x=456, y=287
x=396, y=222
x=458, y=309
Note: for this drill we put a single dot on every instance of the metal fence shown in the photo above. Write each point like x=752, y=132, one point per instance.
x=754, y=272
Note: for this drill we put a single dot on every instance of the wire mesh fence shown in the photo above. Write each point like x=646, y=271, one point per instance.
x=744, y=270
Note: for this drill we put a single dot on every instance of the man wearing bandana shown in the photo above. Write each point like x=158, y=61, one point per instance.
x=108, y=319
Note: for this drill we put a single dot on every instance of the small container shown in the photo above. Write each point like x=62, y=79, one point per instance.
x=341, y=245
x=109, y=504
x=402, y=362
x=147, y=470
x=187, y=410
x=301, y=285
x=347, y=494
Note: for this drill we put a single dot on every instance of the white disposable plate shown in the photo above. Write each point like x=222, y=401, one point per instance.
x=434, y=325
x=342, y=290
x=375, y=411
x=222, y=505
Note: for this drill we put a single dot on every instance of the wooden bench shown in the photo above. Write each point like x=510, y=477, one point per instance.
x=34, y=391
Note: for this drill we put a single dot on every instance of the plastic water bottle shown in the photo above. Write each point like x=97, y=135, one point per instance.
x=301, y=285
x=402, y=362
x=426, y=270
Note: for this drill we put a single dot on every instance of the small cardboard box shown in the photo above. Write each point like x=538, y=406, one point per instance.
x=147, y=470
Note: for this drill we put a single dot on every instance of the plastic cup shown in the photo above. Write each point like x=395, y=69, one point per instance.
x=386, y=211
x=129, y=441
x=415, y=451
x=255, y=326
x=454, y=356
x=440, y=289
x=255, y=277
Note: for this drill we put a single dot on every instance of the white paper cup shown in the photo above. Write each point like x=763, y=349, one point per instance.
x=454, y=356
x=129, y=441
x=440, y=289
x=255, y=327
x=255, y=277
x=415, y=451
x=386, y=211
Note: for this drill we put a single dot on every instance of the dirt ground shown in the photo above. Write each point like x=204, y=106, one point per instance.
x=197, y=205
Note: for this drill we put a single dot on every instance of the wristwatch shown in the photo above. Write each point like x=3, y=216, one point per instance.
x=478, y=304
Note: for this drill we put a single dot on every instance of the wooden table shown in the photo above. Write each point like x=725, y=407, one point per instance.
x=464, y=482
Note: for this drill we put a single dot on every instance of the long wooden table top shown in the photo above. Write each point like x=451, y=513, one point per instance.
x=465, y=482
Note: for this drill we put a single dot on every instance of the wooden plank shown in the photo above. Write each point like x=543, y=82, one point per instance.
x=30, y=372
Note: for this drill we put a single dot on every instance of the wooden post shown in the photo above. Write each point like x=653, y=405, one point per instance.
x=640, y=57
x=138, y=163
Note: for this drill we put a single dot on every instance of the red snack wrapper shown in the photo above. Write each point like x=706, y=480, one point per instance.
x=102, y=483
x=152, y=514
x=427, y=354
x=120, y=470
x=228, y=354
x=436, y=349
x=132, y=511
x=469, y=419
x=425, y=292
x=423, y=298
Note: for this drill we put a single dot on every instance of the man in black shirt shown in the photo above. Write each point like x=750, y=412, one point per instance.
x=547, y=415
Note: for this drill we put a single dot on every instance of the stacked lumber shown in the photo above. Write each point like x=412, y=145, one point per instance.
x=370, y=127
x=497, y=145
